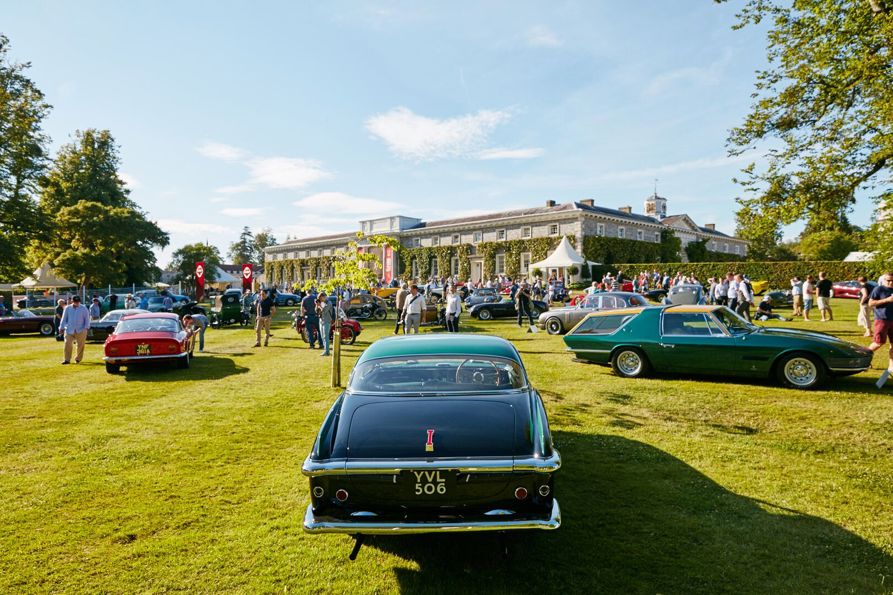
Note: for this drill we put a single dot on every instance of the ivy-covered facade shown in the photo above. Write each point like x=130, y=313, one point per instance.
x=503, y=243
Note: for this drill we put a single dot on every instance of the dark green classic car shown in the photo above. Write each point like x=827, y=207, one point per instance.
x=711, y=340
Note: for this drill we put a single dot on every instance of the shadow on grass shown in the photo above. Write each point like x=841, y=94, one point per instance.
x=636, y=519
x=202, y=367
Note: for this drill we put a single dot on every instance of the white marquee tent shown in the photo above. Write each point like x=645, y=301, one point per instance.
x=45, y=278
x=563, y=257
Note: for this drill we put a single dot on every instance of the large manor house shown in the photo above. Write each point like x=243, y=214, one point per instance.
x=577, y=220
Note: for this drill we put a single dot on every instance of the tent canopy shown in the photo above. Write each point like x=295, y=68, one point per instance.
x=45, y=278
x=562, y=257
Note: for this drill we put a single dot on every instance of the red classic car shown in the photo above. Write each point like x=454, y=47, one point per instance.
x=144, y=338
x=846, y=289
x=25, y=321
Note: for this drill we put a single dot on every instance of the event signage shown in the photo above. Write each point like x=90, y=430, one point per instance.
x=246, y=276
x=199, y=281
x=388, y=267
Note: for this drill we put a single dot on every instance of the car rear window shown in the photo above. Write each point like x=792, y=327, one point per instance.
x=602, y=325
x=147, y=325
x=437, y=374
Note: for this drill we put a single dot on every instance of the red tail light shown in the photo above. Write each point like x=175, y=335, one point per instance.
x=521, y=493
x=341, y=495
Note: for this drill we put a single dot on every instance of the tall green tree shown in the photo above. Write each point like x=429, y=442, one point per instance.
x=262, y=239
x=23, y=158
x=183, y=262
x=824, y=109
x=242, y=250
x=354, y=268
x=97, y=234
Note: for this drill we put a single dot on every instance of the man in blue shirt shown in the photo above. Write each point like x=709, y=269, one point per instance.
x=311, y=319
x=75, y=323
x=881, y=299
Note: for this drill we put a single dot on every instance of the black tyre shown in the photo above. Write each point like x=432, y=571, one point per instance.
x=485, y=314
x=554, y=326
x=535, y=312
x=183, y=362
x=112, y=368
x=629, y=362
x=380, y=314
x=46, y=329
x=303, y=334
x=349, y=336
x=800, y=370
x=289, y=302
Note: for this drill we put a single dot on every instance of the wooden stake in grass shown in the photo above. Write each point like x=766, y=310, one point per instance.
x=336, y=351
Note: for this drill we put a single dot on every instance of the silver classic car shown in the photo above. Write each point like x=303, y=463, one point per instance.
x=558, y=321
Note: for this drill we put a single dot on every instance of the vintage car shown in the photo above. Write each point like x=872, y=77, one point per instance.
x=26, y=321
x=105, y=326
x=156, y=303
x=350, y=329
x=231, y=307
x=148, y=338
x=365, y=306
x=759, y=287
x=849, y=289
x=558, y=320
x=287, y=299
x=482, y=295
x=711, y=340
x=780, y=299
x=505, y=309
x=35, y=301
x=685, y=295
x=434, y=433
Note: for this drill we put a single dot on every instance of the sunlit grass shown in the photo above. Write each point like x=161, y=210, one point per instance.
x=165, y=479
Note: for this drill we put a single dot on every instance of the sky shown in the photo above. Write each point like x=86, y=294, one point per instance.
x=307, y=117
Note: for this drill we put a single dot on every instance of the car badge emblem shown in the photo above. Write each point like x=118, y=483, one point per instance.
x=429, y=446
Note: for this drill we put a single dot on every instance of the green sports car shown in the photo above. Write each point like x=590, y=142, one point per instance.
x=711, y=340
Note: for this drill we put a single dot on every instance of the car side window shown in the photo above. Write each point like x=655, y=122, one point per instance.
x=609, y=302
x=696, y=324
x=601, y=325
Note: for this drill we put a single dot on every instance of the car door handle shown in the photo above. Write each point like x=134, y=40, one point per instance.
x=668, y=345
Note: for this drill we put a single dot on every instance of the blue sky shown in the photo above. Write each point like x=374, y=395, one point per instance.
x=306, y=117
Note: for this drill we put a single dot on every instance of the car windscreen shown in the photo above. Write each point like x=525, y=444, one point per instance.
x=147, y=325
x=734, y=323
x=437, y=374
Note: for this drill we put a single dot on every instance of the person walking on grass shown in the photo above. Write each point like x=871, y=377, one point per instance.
x=412, y=310
x=74, y=324
x=453, y=310
x=744, y=297
x=326, y=312
x=266, y=308
x=311, y=320
x=881, y=299
x=523, y=305
x=797, y=294
x=808, y=293
x=399, y=303
x=864, y=318
x=823, y=290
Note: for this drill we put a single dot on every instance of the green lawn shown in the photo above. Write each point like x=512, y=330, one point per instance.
x=189, y=480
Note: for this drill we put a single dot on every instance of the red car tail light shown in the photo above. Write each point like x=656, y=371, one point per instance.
x=112, y=349
x=341, y=495
x=521, y=493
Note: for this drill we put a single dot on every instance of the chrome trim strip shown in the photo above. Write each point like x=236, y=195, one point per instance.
x=313, y=525
x=139, y=358
x=853, y=369
x=312, y=468
x=589, y=350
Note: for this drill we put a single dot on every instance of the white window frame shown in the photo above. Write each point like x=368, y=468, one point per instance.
x=526, y=232
x=555, y=227
x=737, y=249
x=600, y=229
x=434, y=272
x=415, y=268
x=640, y=235
x=726, y=248
x=499, y=265
x=435, y=241
x=454, y=265
x=456, y=238
x=657, y=236
x=525, y=263
x=477, y=236
x=621, y=232
x=416, y=242
x=500, y=235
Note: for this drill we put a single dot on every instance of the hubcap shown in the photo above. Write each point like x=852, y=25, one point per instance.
x=800, y=371
x=629, y=363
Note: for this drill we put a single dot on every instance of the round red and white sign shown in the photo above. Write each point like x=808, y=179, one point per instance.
x=200, y=272
x=246, y=271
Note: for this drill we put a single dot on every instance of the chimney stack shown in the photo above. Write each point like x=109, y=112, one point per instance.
x=627, y=210
x=550, y=203
x=589, y=202
x=711, y=226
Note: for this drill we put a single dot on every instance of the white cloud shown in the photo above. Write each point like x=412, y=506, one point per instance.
x=190, y=227
x=129, y=180
x=285, y=172
x=691, y=75
x=235, y=189
x=340, y=203
x=500, y=153
x=673, y=168
x=218, y=199
x=541, y=36
x=418, y=138
x=221, y=151
x=248, y=212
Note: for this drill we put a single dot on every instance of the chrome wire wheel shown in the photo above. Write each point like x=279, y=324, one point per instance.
x=801, y=371
x=629, y=363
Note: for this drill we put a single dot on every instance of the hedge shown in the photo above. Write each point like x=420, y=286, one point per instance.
x=778, y=274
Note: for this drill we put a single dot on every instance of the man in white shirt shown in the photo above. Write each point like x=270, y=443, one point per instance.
x=797, y=293
x=732, y=292
x=745, y=297
x=412, y=309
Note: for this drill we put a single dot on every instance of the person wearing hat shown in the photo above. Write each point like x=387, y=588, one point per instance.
x=95, y=309
x=75, y=323
x=764, y=310
x=266, y=307
x=130, y=302
x=524, y=304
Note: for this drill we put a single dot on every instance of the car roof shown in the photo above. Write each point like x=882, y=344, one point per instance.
x=169, y=315
x=440, y=344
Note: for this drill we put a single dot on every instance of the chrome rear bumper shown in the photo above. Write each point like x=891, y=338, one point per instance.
x=142, y=358
x=500, y=522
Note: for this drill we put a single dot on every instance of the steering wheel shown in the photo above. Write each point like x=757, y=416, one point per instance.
x=479, y=374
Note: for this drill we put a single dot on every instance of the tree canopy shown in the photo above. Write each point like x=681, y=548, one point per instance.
x=96, y=234
x=242, y=250
x=823, y=109
x=23, y=158
x=356, y=268
x=183, y=263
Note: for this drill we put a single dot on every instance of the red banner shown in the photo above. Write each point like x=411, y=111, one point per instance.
x=388, y=264
x=247, y=275
x=199, y=281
